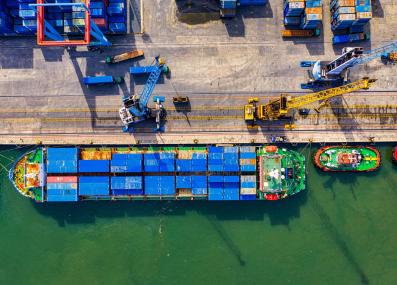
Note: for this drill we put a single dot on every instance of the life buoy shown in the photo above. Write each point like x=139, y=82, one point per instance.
x=271, y=148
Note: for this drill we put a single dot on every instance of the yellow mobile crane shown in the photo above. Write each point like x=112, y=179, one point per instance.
x=278, y=108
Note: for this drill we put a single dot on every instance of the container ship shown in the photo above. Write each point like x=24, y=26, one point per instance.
x=347, y=158
x=213, y=172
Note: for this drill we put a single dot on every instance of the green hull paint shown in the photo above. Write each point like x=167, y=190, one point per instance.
x=347, y=158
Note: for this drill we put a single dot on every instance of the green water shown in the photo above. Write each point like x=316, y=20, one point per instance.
x=341, y=231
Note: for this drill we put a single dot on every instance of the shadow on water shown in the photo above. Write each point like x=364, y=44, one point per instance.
x=279, y=213
x=227, y=240
x=338, y=239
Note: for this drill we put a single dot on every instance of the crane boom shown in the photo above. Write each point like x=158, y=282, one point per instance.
x=279, y=107
x=300, y=101
x=378, y=52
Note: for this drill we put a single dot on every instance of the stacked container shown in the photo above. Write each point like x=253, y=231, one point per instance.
x=221, y=172
x=247, y=159
x=304, y=15
x=62, y=188
x=126, y=162
x=348, y=18
x=18, y=18
x=223, y=187
x=223, y=159
x=160, y=185
x=195, y=185
x=126, y=185
x=94, y=185
x=248, y=187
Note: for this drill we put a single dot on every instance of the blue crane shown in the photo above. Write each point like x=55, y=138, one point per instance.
x=135, y=108
x=335, y=72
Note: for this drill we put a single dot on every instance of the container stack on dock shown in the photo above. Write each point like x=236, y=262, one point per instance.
x=302, y=15
x=228, y=8
x=348, y=20
x=18, y=18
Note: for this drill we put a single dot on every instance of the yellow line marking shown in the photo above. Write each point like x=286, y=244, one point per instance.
x=199, y=108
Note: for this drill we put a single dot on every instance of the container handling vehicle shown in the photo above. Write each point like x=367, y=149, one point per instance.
x=336, y=73
x=102, y=80
x=135, y=107
x=124, y=56
x=278, y=108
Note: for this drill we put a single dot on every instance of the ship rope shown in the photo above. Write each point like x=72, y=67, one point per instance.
x=5, y=168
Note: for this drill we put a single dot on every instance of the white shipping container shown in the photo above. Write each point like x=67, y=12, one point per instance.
x=245, y=191
x=346, y=17
x=314, y=17
x=346, y=10
x=248, y=178
x=296, y=5
x=364, y=15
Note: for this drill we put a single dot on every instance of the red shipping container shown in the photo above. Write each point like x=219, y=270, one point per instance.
x=100, y=22
x=64, y=179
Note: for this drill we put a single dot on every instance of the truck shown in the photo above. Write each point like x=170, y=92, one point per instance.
x=124, y=56
x=102, y=80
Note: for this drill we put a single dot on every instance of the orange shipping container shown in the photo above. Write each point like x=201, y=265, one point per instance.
x=314, y=10
x=347, y=3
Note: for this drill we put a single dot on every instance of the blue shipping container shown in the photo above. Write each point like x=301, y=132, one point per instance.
x=126, y=182
x=94, y=185
x=152, y=165
x=167, y=185
x=127, y=192
x=247, y=197
x=59, y=198
x=93, y=165
x=61, y=153
x=184, y=182
x=61, y=166
x=167, y=165
x=184, y=165
x=199, y=185
x=62, y=186
x=152, y=185
x=57, y=195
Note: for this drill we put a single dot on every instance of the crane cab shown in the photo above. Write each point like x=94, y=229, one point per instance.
x=250, y=110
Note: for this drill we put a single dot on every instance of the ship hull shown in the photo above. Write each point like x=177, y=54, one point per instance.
x=210, y=172
x=326, y=159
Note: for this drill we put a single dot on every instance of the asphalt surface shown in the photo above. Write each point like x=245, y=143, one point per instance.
x=217, y=64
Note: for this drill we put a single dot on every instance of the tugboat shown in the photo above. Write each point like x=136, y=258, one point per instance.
x=347, y=158
x=395, y=154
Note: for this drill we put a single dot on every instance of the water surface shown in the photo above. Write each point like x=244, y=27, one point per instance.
x=341, y=231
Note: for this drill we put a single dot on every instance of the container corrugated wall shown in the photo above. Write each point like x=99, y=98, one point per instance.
x=93, y=185
x=61, y=160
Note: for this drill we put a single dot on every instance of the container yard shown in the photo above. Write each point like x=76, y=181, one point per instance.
x=218, y=65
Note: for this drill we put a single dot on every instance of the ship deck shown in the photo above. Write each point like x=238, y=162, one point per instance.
x=217, y=64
